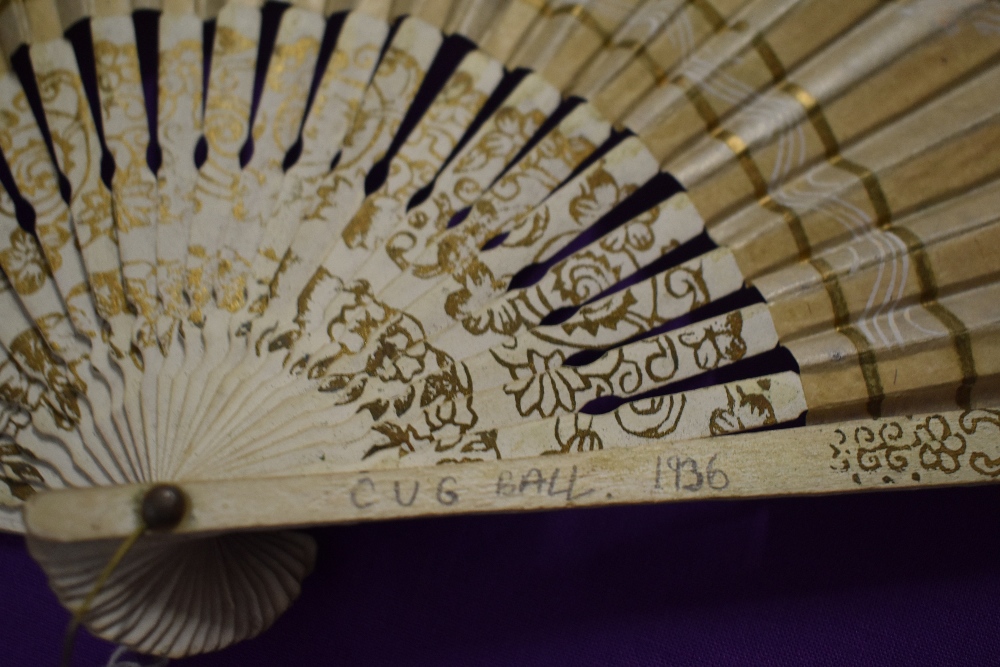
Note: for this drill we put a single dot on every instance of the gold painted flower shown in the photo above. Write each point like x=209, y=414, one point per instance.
x=718, y=343
x=597, y=196
x=584, y=275
x=940, y=448
x=512, y=128
x=398, y=357
x=635, y=234
x=606, y=313
x=23, y=263
x=544, y=385
x=752, y=411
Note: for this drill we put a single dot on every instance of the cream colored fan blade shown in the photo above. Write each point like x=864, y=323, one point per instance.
x=339, y=91
x=179, y=126
x=43, y=291
x=330, y=116
x=78, y=157
x=43, y=385
x=393, y=87
x=418, y=160
x=275, y=129
x=226, y=126
x=251, y=192
x=126, y=135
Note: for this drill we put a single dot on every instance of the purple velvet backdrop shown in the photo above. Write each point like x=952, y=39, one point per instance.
x=908, y=578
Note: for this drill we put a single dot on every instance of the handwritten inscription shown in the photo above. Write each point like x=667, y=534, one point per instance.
x=366, y=493
x=683, y=473
x=535, y=482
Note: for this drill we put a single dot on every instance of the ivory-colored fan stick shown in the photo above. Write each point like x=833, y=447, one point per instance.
x=179, y=126
x=225, y=128
x=675, y=41
x=275, y=128
x=896, y=452
x=502, y=37
x=729, y=69
x=568, y=35
x=126, y=134
x=818, y=81
x=952, y=221
x=71, y=125
x=403, y=69
x=621, y=47
x=329, y=119
x=377, y=8
x=905, y=167
x=65, y=299
x=434, y=12
x=473, y=18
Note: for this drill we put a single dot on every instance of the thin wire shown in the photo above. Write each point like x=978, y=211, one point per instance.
x=102, y=579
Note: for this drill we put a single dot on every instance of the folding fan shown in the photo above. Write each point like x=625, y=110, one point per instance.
x=270, y=266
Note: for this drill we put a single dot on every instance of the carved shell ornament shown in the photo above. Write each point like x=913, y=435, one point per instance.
x=273, y=266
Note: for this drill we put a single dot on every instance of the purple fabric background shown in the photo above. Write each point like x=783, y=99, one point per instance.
x=907, y=578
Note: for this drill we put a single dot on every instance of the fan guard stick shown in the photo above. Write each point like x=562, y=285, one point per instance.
x=923, y=450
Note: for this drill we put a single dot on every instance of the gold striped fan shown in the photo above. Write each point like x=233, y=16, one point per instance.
x=270, y=266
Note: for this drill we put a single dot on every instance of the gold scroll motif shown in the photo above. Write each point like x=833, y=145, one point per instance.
x=901, y=450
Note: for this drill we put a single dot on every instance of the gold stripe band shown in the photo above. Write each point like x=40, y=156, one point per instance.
x=739, y=148
x=814, y=112
x=710, y=13
x=576, y=11
x=876, y=195
x=959, y=333
x=842, y=323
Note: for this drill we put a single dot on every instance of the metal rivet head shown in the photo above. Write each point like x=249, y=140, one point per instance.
x=163, y=507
